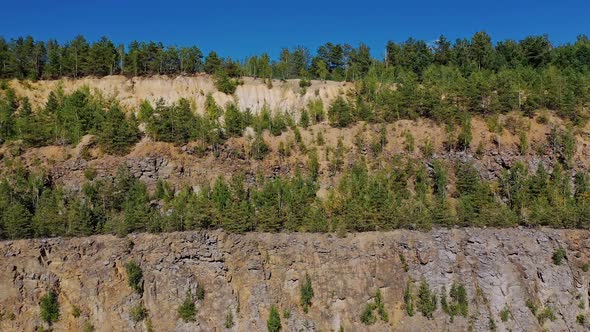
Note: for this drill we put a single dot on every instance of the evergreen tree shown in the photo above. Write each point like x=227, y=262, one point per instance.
x=117, y=134
x=340, y=113
x=212, y=63
x=234, y=122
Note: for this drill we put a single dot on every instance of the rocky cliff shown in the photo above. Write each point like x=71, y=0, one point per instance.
x=502, y=271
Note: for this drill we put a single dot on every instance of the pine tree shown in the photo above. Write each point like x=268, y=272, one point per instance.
x=118, y=133
x=234, y=124
x=340, y=113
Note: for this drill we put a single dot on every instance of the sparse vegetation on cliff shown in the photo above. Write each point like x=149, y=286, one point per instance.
x=134, y=276
x=426, y=301
x=187, y=310
x=306, y=293
x=274, y=320
x=49, y=306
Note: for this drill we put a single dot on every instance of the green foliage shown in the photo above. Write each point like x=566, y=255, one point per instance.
x=134, y=276
x=88, y=327
x=316, y=110
x=404, y=262
x=117, y=133
x=274, y=320
x=175, y=123
x=581, y=320
x=229, y=320
x=531, y=305
x=200, y=292
x=426, y=303
x=440, y=179
x=304, y=83
x=340, y=113
x=465, y=136
x=381, y=306
x=367, y=315
x=138, y=313
x=234, y=122
x=458, y=304
x=492, y=324
x=523, y=145
x=224, y=83
x=547, y=313
x=558, y=256
x=409, y=300
x=409, y=143
x=187, y=310
x=76, y=311
x=505, y=314
x=258, y=148
x=49, y=307
x=306, y=293
x=304, y=119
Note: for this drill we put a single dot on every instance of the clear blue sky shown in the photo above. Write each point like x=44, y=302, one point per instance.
x=240, y=28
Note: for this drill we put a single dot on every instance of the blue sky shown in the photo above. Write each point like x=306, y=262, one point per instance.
x=241, y=28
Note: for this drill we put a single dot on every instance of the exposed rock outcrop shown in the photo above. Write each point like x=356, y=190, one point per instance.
x=501, y=269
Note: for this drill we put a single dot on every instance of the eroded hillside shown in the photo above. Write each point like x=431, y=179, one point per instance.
x=229, y=168
x=252, y=93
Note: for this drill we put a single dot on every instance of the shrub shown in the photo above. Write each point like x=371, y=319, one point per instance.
x=187, y=310
x=229, y=320
x=76, y=311
x=381, y=306
x=492, y=324
x=581, y=319
x=547, y=313
x=409, y=142
x=427, y=149
x=320, y=138
x=200, y=292
x=340, y=113
x=306, y=292
x=409, y=300
x=405, y=265
x=134, y=276
x=88, y=327
x=304, y=83
x=505, y=314
x=460, y=303
x=523, y=145
x=304, y=119
x=367, y=315
x=138, y=313
x=224, y=83
x=286, y=314
x=49, y=307
x=558, y=256
x=585, y=267
x=531, y=305
x=274, y=320
x=426, y=300
x=259, y=149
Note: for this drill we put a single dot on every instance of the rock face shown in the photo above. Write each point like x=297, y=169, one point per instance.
x=245, y=274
